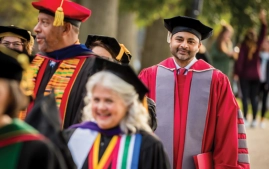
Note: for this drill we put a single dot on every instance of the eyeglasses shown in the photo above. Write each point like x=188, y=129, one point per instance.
x=14, y=44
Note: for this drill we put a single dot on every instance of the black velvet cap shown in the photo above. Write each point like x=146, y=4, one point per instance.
x=125, y=72
x=187, y=24
x=113, y=44
x=12, y=63
x=15, y=30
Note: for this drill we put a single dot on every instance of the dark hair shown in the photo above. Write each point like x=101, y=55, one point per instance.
x=250, y=36
x=250, y=42
x=17, y=101
x=106, y=47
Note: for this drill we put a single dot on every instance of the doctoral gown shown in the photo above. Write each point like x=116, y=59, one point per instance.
x=150, y=153
x=223, y=132
x=50, y=71
x=22, y=147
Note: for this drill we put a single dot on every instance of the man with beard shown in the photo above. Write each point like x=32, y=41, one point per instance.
x=63, y=64
x=199, y=120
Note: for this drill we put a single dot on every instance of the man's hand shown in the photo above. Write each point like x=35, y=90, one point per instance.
x=262, y=16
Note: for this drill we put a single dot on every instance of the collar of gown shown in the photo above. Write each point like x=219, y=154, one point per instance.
x=68, y=52
x=186, y=67
x=93, y=126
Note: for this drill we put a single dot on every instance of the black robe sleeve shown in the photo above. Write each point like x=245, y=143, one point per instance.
x=152, y=154
x=39, y=154
x=76, y=100
x=152, y=114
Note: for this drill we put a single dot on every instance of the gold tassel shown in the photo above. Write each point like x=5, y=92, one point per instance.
x=145, y=103
x=59, y=16
x=123, y=50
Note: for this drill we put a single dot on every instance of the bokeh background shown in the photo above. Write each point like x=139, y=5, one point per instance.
x=138, y=24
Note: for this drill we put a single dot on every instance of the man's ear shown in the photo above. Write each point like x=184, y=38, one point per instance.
x=67, y=27
x=200, y=44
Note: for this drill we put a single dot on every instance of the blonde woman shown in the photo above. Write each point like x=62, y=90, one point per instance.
x=115, y=132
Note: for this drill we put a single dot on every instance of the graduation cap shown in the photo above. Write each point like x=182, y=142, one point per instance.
x=121, y=52
x=125, y=72
x=15, y=31
x=45, y=118
x=187, y=24
x=63, y=10
x=12, y=63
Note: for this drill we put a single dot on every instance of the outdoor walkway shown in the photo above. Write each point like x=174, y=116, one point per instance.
x=258, y=143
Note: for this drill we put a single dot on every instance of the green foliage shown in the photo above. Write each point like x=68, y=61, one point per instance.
x=19, y=13
x=150, y=10
x=241, y=14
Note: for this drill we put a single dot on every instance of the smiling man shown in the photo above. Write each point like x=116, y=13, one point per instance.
x=63, y=64
x=199, y=120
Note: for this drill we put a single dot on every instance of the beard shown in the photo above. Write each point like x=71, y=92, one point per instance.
x=182, y=54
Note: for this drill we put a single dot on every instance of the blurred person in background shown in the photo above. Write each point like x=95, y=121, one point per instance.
x=17, y=38
x=109, y=47
x=264, y=78
x=203, y=54
x=21, y=146
x=222, y=53
x=247, y=68
x=20, y=40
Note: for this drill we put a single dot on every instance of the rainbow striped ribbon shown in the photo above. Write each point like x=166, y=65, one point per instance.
x=122, y=152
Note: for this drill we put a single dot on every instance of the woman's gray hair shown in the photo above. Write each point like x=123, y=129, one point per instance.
x=136, y=118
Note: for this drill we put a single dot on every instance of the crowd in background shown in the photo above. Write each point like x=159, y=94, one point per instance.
x=246, y=65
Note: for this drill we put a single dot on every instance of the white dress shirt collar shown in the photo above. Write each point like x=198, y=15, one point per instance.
x=188, y=66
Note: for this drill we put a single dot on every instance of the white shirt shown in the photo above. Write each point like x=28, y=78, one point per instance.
x=264, y=58
x=186, y=67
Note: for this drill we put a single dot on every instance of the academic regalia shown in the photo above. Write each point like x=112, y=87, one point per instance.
x=221, y=125
x=45, y=118
x=148, y=149
x=121, y=53
x=21, y=146
x=111, y=148
x=199, y=120
x=77, y=59
x=15, y=31
x=123, y=56
x=65, y=70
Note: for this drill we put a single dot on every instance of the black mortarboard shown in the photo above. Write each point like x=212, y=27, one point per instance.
x=14, y=31
x=125, y=72
x=12, y=63
x=45, y=118
x=122, y=53
x=187, y=24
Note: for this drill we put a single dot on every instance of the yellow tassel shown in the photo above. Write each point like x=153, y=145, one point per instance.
x=59, y=17
x=123, y=50
x=145, y=103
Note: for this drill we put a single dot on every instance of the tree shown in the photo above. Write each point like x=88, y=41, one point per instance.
x=155, y=47
x=127, y=32
x=103, y=20
x=19, y=13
